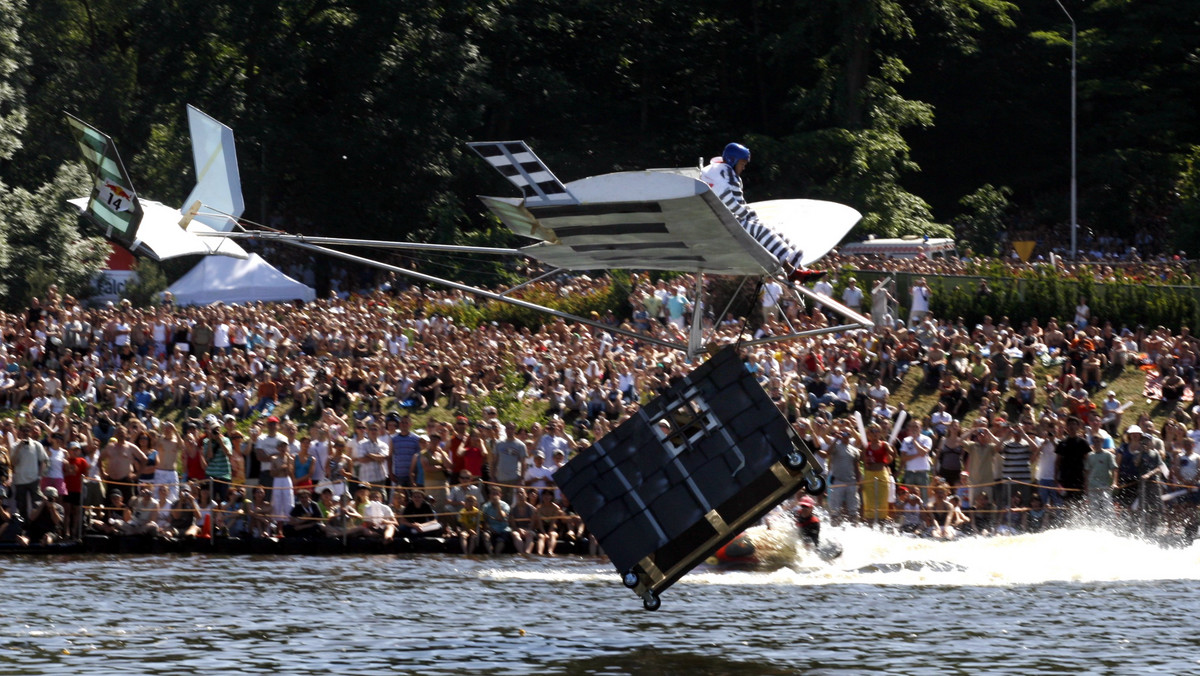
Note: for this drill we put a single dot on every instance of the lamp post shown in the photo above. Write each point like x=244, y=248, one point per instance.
x=1074, y=188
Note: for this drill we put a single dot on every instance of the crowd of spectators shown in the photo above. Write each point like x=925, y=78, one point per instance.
x=297, y=420
x=1131, y=267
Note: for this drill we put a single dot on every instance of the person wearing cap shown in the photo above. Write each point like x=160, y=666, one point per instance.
x=1111, y=412
x=852, y=296
x=537, y=475
x=1100, y=466
x=807, y=522
x=1127, y=475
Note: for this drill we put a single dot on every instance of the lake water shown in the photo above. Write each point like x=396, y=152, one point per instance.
x=1065, y=602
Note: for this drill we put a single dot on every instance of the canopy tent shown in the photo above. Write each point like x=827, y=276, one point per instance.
x=232, y=280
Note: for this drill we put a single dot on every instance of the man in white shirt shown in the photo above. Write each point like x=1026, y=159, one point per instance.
x=920, y=302
x=852, y=296
x=772, y=292
x=266, y=447
x=825, y=287
x=371, y=457
x=914, y=453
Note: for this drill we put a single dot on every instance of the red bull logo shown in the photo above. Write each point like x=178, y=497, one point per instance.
x=118, y=190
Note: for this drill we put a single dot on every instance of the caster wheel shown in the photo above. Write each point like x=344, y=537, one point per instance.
x=795, y=461
x=651, y=601
x=630, y=579
x=815, y=485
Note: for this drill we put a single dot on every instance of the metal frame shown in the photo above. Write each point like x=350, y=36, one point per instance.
x=695, y=341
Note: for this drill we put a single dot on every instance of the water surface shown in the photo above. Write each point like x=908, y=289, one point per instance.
x=1065, y=602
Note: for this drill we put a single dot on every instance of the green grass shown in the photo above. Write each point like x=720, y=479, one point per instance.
x=1128, y=383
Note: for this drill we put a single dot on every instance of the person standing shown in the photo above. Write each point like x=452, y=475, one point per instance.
x=371, y=457
x=1100, y=467
x=852, y=296
x=1070, y=467
x=845, y=475
x=508, y=462
x=266, y=447
x=677, y=307
x=877, y=475
x=881, y=304
x=406, y=447
x=920, y=302
x=30, y=463
x=915, y=451
x=771, y=294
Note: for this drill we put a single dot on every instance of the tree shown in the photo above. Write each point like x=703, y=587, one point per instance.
x=850, y=118
x=43, y=240
x=13, y=61
x=984, y=221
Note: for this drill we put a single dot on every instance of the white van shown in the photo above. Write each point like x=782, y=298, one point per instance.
x=903, y=247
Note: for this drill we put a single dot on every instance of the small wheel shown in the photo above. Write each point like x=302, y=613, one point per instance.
x=651, y=601
x=630, y=579
x=815, y=485
x=795, y=461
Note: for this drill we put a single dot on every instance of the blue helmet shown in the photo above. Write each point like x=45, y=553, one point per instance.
x=734, y=152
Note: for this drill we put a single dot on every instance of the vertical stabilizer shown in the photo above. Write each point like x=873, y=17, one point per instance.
x=522, y=168
x=113, y=205
x=218, y=183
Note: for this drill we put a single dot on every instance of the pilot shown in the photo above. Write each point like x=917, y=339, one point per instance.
x=724, y=175
x=807, y=523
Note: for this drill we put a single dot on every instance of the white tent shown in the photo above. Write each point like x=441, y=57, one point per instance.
x=231, y=280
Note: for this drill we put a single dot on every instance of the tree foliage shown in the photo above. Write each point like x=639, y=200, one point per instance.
x=352, y=115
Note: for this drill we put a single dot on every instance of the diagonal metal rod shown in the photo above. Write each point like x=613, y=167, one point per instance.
x=526, y=283
x=483, y=293
x=378, y=243
x=800, y=334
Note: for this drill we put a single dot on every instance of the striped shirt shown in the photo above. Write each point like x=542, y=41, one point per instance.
x=218, y=461
x=1016, y=461
x=726, y=183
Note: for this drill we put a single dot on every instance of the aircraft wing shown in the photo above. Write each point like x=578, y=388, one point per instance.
x=658, y=219
x=643, y=219
x=815, y=226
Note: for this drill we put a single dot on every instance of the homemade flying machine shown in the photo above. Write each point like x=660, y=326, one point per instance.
x=153, y=229
x=691, y=468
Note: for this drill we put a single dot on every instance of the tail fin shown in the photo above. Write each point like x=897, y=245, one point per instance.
x=522, y=168
x=113, y=205
x=218, y=182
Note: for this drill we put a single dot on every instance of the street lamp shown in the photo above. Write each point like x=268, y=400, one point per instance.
x=1074, y=188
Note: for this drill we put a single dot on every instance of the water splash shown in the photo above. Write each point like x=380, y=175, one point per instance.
x=882, y=558
x=1073, y=554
